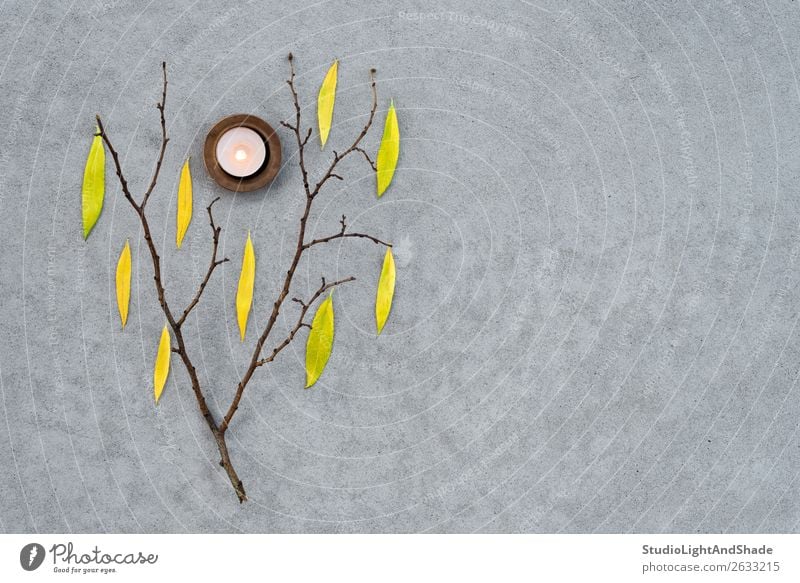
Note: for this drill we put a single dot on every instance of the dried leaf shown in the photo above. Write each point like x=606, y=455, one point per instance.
x=244, y=295
x=124, y=282
x=388, y=151
x=325, y=101
x=320, y=341
x=161, y=370
x=383, y=299
x=184, y=216
x=94, y=184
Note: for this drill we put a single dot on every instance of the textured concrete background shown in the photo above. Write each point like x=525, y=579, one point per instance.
x=596, y=229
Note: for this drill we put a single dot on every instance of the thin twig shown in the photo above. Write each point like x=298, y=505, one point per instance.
x=355, y=145
x=212, y=266
x=301, y=236
x=164, y=139
x=371, y=163
x=300, y=323
x=117, y=166
x=343, y=234
x=301, y=143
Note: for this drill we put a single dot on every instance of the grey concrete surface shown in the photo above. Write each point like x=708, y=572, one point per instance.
x=596, y=227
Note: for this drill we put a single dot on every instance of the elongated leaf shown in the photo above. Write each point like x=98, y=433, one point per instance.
x=124, y=282
x=184, y=216
x=161, y=369
x=388, y=151
x=325, y=101
x=320, y=341
x=94, y=184
x=383, y=299
x=244, y=295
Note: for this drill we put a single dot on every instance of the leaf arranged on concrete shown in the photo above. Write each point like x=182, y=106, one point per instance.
x=383, y=298
x=320, y=341
x=161, y=369
x=389, y=151
x=184, y=216
x=244, y=295
x=124, y=282
x=325, y=101
x=94, y=184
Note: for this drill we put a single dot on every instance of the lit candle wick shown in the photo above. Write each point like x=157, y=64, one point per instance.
x=241, y=151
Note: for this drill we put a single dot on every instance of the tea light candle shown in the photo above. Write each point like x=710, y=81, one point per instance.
x=241, y=152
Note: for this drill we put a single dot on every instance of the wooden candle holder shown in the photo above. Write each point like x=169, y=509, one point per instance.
x=263, y=175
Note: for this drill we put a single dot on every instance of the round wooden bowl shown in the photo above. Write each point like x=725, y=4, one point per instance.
x=272, y=161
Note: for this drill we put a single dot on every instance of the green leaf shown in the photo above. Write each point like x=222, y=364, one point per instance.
x=161, y=369
x=247, y=277
x=325, y=101
x=320, y=341
x=94, y=185
x=383, y=299
x=124, y=282
x=388, y=152
x=184, y=215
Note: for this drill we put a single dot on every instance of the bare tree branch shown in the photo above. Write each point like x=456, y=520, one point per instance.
x=301, y=143
x=301, y=236
x=174, y=324
x=215, y=230
x=343, y=234
x=117, y=166
x=218, y=431
x=371, y=163
x=355, y=145
x=164, y=139
x=300, y=323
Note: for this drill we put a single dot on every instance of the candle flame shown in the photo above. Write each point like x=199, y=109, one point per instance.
x=240, y=154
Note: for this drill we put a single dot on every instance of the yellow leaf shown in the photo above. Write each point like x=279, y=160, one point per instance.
x=244, y=295
x=94, y=185
x=161, y=369
x=184, y=216
x=320, y=341
x=389, y=151
x=124, y=282
x=383, y=299
x=325, y=100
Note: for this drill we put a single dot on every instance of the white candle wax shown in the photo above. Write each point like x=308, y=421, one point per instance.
x=241, y=152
